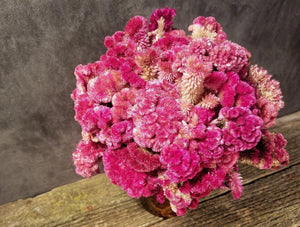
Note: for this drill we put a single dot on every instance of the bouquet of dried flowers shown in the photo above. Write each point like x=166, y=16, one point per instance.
x=171, y=115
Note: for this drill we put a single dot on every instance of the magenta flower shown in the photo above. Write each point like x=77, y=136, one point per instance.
x=135, y=183
x=171, y=114
x=86, y=158
x=229, y=56
x=241, y=128
x=207, y=27
x=157, y=116
x=122, y=104
x=179, y=201
x=181, y=164
x=268, y=94
x=212, y=145
x=166, y=14
x=269, y=153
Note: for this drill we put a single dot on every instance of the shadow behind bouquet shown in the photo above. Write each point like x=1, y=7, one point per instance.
x=171, y=114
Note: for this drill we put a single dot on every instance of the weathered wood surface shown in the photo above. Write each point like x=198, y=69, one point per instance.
x=270, y=198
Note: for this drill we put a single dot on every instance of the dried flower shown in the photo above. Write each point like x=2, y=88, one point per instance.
x=171, y=114
x=86, y=158
x=269, y=96
x=181, y=164
x=269, y=153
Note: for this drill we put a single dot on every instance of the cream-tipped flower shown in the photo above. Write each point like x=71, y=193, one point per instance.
x=267, y=87
x=209, y=101
x=191, y=84
x=146, y=63
x=191, y=87
x=199, y=31
x=159, y=32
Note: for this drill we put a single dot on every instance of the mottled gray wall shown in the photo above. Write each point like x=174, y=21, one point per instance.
x=42, y=42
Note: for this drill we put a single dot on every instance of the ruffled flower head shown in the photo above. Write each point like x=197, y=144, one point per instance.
x=166, y=15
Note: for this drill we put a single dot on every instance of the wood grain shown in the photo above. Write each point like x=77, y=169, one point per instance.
x=270, y=198
x=268, y=201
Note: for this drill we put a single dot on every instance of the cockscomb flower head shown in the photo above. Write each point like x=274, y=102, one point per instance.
x=86, y=158
x=207, y=27
x=164, y=14
x=268, y=94
x=181, y=164
x=171, y=114
x=269, y=152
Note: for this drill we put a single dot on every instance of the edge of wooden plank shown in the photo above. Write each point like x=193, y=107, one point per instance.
x=269, y=201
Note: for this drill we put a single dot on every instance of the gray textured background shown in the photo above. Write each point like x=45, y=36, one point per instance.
x=42, y=42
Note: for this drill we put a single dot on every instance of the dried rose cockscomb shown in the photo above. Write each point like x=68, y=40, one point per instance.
x=170, y=115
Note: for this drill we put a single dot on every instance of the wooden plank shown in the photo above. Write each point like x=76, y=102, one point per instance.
x=269, y=201
x=96, y=201
x=93, y=200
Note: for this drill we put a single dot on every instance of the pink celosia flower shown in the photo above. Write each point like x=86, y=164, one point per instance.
x=181, y=164
x=179, y=201
x=166, y=14
x=135, y=183
x=131, y=77
x=209, y=101
x=211, y=145
x=229, y=56
x=171, y=114
x=245, y=95
x=269, y=153
x=191, y=83
x=228, y=160
x=95, y=118
x=141, y=160
x=241, y=129
x=101, y=89
x=202, y=184
x=215, y=80
x=81, y=104
x=235, y=184
x=156, y=115
x=122, y=103
x=202, y=48
x=117, y=134
x=233, y=92
x=86, y=158
x=228, y=90
x=171, y=41
x=207, y=27
x=121, y=133
x=147, y=61
x=136, y=28
x=82, y=74
x=269, y=96
x=199, y=118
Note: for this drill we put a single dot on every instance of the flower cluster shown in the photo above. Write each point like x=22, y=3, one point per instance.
x=170, y=115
